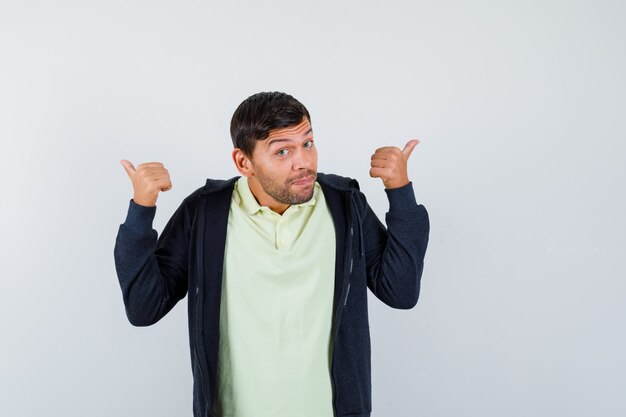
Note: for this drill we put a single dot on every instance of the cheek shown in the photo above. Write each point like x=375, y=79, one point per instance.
x=314, y=157
x=279, y=172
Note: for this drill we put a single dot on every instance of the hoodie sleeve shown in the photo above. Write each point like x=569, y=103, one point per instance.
x=395, y=254
x=152, y=270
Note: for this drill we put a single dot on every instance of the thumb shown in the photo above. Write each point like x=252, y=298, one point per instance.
x=408, y=148
x=129, y=168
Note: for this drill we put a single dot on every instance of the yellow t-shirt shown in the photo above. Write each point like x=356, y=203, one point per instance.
x=276, y=309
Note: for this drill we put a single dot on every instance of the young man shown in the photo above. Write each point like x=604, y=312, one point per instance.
x=276, y=263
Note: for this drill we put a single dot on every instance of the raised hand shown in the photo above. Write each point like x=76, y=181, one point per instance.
x=148, y=179
x=389, y=164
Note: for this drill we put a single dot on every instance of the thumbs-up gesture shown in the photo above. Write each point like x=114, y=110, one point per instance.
x=389, y=164
x=148, y=179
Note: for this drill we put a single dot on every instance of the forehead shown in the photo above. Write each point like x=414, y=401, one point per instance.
x=291, y=132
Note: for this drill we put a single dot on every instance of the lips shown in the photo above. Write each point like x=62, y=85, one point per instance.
x=304, y=181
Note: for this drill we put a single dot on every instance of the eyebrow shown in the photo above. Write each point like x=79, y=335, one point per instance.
x=274, y=140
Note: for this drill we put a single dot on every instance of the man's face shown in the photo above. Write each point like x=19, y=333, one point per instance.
x=284, y=167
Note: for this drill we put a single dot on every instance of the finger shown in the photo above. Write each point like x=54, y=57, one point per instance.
x=149, y=166
x=380, y=155
x=388, y=156
x=158, y=176
x=129, y=168
x=387, y=149
x=163, y=183
x=379, y=163
x=167, y=187
x=408, y=148
x=379, y=173
x=155, y=172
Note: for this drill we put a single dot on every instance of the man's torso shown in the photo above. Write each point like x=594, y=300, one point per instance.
x=276, y=309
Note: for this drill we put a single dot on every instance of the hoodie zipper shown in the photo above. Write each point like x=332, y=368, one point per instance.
x=340, y=309
x=199, y=300
x=332, y=373
x=197, y=357
x=349, y=276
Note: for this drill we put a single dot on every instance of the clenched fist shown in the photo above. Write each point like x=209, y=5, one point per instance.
x=148, y=179
x=389, y=164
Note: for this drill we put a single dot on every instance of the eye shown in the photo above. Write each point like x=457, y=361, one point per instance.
x=308, y=144
x=282, y=152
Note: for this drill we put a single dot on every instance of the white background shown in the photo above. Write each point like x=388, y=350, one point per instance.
x=520, y=107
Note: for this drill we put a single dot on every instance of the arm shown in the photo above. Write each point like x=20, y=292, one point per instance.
x=395, y=255
x=152, y=272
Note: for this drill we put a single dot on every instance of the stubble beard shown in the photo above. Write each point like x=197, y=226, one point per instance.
x=282, y=194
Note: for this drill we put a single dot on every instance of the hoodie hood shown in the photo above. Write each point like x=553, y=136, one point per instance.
x=346, y=185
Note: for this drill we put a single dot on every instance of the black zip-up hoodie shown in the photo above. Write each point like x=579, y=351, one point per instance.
x=155, y=272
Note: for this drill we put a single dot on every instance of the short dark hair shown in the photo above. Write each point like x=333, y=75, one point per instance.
x=261, y=113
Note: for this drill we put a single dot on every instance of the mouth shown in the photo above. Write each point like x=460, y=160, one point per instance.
x=308, y=180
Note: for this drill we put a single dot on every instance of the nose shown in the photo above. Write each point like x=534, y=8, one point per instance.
x=303, y=159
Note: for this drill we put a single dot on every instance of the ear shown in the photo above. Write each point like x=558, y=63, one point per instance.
x=242, y=163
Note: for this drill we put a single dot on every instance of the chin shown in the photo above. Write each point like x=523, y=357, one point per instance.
x=308, y=196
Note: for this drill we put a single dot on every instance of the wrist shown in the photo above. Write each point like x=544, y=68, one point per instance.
x=143, y=201
x=401, y=197
x=390, y=185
